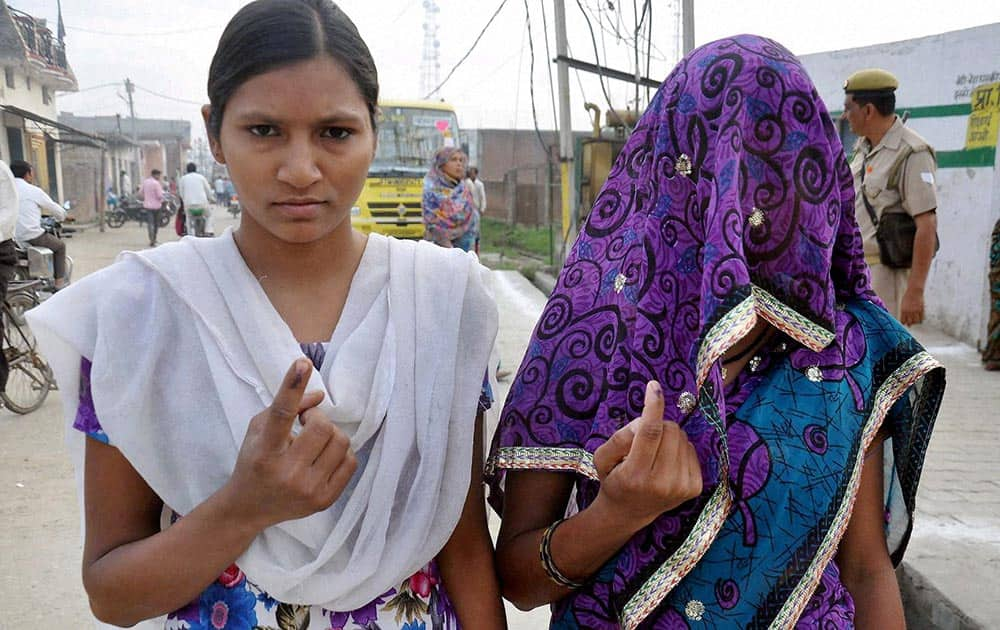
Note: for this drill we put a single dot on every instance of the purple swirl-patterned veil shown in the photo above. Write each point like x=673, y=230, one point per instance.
x=732, y=200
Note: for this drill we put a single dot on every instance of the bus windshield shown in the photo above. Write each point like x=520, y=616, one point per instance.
x=408, y=138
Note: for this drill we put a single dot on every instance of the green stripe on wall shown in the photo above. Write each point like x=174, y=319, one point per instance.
x=967, y=158
x=938, y=111
x=930, y=111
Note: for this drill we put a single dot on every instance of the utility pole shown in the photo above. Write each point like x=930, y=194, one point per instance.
x=687, y=15
x=129, y=89
x=567, y=171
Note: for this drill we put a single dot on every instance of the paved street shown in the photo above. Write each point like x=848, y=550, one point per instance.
x=955, y=546
x=956, y=538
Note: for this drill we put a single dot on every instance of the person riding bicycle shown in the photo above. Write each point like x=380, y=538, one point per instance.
x=151, y=193
x=195, y=191
x=33, y=203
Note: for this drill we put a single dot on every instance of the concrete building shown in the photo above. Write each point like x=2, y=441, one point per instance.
x=937, y=77
x=85, y=183
x=164, y=144
x=35, y=67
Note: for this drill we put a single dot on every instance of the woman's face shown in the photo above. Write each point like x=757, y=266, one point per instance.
x=455, y=166
x=298, y=142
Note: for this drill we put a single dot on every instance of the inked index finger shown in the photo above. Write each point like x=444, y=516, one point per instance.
x=648, y=429
x=287, y=402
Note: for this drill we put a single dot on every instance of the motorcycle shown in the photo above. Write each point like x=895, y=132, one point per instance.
x=36, y=263
x=130, y=207
x=234, y=205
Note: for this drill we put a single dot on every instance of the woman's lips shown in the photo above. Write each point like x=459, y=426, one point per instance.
x=300, y=209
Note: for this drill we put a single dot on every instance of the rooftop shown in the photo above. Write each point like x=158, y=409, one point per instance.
x=26, y=41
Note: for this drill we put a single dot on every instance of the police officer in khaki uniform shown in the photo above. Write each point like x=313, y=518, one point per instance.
x=895, y=169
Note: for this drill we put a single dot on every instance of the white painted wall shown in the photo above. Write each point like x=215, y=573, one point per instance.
x=31, y=100
x=940, y=70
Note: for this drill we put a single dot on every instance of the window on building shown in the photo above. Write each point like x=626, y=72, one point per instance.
x=46, y=96
x=9, y=76
x=15, y=142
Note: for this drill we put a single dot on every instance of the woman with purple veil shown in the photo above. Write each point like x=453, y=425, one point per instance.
x=716, y=423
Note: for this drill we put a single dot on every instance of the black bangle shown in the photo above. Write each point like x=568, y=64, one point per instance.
x=545, y=551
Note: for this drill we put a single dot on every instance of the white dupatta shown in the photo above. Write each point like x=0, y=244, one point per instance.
x=186, y=349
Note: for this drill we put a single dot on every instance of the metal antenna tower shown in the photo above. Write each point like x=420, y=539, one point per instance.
x=430, y=63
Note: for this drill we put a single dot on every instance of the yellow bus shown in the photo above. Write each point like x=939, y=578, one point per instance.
x=409, y=133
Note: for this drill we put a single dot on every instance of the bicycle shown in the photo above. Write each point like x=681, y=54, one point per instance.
x=29, y=377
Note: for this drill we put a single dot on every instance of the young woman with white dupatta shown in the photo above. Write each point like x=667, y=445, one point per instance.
x=281, y=427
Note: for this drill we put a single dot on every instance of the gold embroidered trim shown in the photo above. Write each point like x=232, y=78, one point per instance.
x=682, y=561
x=790, y=322
x=741, y=319
x=543, y=458
x=732, y=327
x=898, y=382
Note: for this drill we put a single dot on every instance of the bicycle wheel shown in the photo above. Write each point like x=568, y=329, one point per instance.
x=115, y=219
x=29, y=378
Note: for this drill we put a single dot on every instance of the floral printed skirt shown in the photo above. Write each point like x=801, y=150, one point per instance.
x=234, y=603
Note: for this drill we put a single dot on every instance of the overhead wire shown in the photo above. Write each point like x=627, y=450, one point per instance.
x=649, y=46
x=92, y=87
x=576, y=73
x=531, y=80
x=548, y=55
x=468, y=52
x=638, y=24
x=169, y=98
x=613, y=30
x=517, y=99
x=600, y=74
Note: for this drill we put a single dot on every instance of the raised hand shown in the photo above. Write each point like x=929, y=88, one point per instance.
x=647, y=467
x=279, y=477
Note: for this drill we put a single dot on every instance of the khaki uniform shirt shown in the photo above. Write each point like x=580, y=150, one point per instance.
x=915, y=189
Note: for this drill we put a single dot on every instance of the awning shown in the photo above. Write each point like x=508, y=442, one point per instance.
x=23, y=113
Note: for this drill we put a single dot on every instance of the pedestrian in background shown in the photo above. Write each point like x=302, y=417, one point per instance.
x=894, y=180
x=152, y=197
x=991, y=355
x=478, y=189
x=713, y=393
x=304, y=401
x=195, y=192
x=126, y=185
x=449, y=208
x=478, y=198
x=220, y=191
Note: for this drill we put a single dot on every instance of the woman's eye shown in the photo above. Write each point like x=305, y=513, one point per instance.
x=337, y=133
x=263, y=131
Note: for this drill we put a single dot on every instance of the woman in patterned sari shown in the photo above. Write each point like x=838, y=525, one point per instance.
x=991, y=355
x=698, y=431
x=450, y=215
